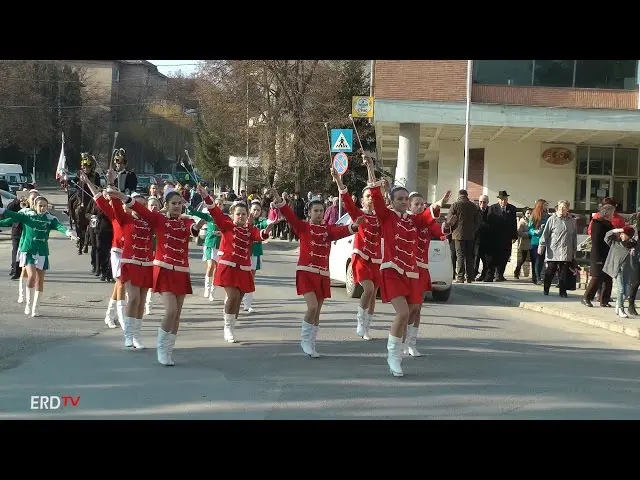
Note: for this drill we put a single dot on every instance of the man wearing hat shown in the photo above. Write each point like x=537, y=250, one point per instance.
x=503, y=231
x=126, y=180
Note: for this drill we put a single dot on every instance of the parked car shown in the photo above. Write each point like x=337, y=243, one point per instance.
x=143, y=183
x=166, y=177
x=440, y=265
x=7, y=196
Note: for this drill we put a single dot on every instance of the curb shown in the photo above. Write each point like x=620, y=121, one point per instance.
x=612, y=326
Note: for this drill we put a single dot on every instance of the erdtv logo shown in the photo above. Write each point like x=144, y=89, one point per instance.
x=54, y=402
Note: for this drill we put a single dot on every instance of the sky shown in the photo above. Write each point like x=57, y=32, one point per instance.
x=166, y=67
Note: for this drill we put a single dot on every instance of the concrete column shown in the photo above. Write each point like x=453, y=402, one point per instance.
x=408, y=146
x=236, y=180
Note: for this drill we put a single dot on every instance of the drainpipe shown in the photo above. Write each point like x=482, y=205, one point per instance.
x=465, y=173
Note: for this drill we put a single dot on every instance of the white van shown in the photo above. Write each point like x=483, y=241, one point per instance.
x=12, y=173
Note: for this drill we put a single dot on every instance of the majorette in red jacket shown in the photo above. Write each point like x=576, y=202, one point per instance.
x=314, y=240
x=425, y=234
x=118, y=235
x=172, y=244
x=367, y=241
x=399, y=234
x=138, y=237
x=235, y=245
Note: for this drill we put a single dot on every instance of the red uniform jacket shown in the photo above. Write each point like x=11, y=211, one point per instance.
x=315, y=240
x=367, y=242
x=235, y=244
x=617, y=221
x=118, y=236
x=400, y=235
x=138, y=244
x=172, y=245
x=425, y=235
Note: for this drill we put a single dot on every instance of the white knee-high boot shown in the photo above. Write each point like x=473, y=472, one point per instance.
x=229, y=327
x=394, y=355
x=166, y=342
x=314, y=337
x=120, y=312
x=360, y=319
x=34, y=307
x=207, y=286
x=248, y=301
x=412, y=340
x=127, y=327
x=367, y=325
x=306, y=338
x=109, y=316
x=30, y=293
x=136, y=333
x=148, y=305
x=21, y=289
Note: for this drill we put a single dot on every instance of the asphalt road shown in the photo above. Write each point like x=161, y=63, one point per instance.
x=481, y=361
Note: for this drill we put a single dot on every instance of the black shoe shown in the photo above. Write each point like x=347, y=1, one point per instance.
x=546, y=292
x=632, y=309
x=586, y=302
x=564, y=295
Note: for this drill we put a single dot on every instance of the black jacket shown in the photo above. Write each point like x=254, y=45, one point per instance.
x=127, y=181
x=504, y=228
x=599, y=248
x=84, y=192
x=16, y=229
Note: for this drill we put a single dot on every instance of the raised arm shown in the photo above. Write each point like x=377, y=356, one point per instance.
x=347, y=201
x=222, y=221
x=152, y=218
x=611, y=236
x=120, y=215
x=16, y=217
x=6, y=222
x=55, y=224
x=104, y=205
x=289, y=215
x=336, y=232
x=201, y=215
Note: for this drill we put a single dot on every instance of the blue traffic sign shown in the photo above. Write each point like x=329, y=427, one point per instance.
x=340, y=163
x=341, y=140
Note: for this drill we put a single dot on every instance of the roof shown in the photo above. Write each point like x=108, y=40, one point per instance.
x=146, y=63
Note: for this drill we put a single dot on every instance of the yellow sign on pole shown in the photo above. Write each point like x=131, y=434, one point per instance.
x=362, y=107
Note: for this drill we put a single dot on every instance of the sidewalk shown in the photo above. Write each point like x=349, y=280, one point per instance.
x=522, y=293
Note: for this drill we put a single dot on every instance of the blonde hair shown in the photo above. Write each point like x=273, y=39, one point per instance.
x=566, y=203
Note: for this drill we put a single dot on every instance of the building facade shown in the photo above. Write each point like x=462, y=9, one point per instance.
x=552, y=129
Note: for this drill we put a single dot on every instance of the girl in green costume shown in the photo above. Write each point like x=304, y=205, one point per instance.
x=34, y=248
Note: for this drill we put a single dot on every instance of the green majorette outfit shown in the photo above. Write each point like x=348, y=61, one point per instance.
x=210, y=247
x=34, y=243
x=256, y=248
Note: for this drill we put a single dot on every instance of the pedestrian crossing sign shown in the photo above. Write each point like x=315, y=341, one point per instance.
x=341, y=140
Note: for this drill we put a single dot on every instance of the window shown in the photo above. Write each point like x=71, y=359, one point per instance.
x=600, y=161
x=582, y=155
x=553, y=73
x=618, y=74
x=503, y=72
x=580, y=202
x=626, y=162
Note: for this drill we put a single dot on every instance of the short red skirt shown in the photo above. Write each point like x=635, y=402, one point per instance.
x=365, y=270
x=228, y=276
x=307, y=282
x=396, y=285
x=172, y=281
x=425, y=279
x=139, y=276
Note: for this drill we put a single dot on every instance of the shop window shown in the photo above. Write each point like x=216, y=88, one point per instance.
x=626, y=162
x=503, y=72
x=580, y=202
x=553, y=73
x=600, y=161
x=613, y=74
x=582, y=155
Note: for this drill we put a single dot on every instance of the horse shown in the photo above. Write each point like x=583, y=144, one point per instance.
x=80, y=215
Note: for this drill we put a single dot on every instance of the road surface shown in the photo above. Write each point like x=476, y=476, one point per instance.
x=481, y=361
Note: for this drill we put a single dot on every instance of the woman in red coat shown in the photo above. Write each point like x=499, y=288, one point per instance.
x=367, y=254
x=425, y=234
x=399, y=271
x=312, y=271
x=171, y=277
x=234, y=256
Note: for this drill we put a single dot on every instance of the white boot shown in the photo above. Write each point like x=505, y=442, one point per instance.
x=617, y=308
x=127, y=327
x=120, y=312
x=207, y=286
x=622, y=313
x=34, y=306
x=360, y=321
x=314, y=337
x=394, y=355
x=306, y=338
x=412, y=340
x=170, y=343
x=229, y=325
x=211, y=293
x=367, y=325
x=21, y=289
x=27, y=307
x=136, y=333
x=147, y=304
x=248, y=301
x=109, y=316
x=163, y=347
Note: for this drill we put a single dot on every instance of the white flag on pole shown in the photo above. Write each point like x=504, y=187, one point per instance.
x=62, y=162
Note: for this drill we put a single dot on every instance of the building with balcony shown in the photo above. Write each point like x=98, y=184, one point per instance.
x=552, y=129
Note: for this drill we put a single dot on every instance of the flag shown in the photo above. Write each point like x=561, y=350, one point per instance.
x=61, y=170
